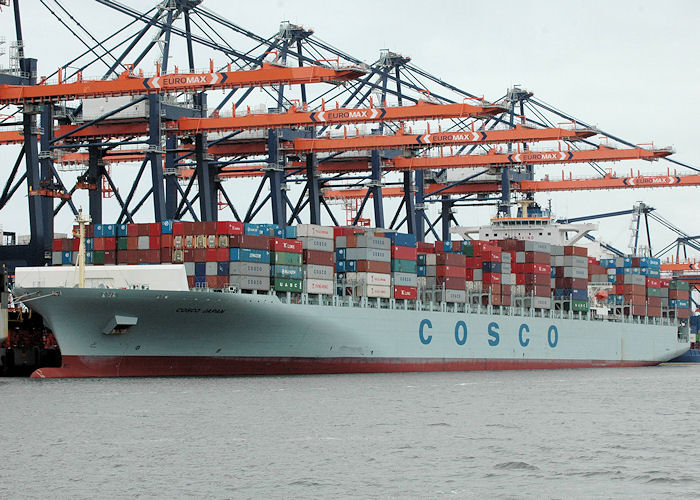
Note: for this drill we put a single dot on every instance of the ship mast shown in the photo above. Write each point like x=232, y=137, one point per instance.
x=81, y=220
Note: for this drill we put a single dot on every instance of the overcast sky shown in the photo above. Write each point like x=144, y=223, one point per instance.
x=629, y=67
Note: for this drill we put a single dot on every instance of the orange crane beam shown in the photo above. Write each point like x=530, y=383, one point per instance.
x=129, y=84
x=294, y=118
x=607, y=182
x=399, y=140
x=681, y=266
x=601, y=153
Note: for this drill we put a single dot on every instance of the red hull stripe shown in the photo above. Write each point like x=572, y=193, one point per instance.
x=162, y=366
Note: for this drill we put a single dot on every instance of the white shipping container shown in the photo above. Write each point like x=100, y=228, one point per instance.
x=575, y=261
x=368, y=254
x=249, y=269
x=378, y=242
x=507, y=279
x=374, y=291
x=506, y=258
x=430, y=259
x=576, y=272
x=431, y=271
x=478, y=275
x=313, y=271
x=143, y=242
x=313, y=243
x=369, y=278
x=459, y=296
x=557, y=250
x=250, y=282
x=405, y=279
x=314, y=231
x=474, y=286
x=558, y=260
x=520, y=257
x=325, y=287
x=538, y=302
x=537, y=246
x=211, y=268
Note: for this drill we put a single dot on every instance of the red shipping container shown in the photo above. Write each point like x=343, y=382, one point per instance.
x=653, y=283
x=67, y=245
x=166, y=255
x=166, y=241
x=496, y=300
x=450, y=271
x=178, y=228
x=372, y=266
x=488, y=254
x=212, y=281
x=249, y=241
x=200, y=254
x=210, y=255
x=110, y=257
x=143, y=229
x=285, y=245
x=519, y=279
x=654, y=312
x=538, y=290
x=578, y=283
x=210, y=228
x=222, y=254
x=350, y=241
x=132, y=229
x=405, y=253
x=57, y=245
x=679, y=294
x=681, y=313
x=537, y=279
x=320, y=258
x=97, y=244
x=450, y=259
x=154, y=255
x=654, y=301
x=132, y=243
x=636, y=310
x=230, y=227
x=491, y=278
x=153, y=242
x=89, y=231
x=154, y=229
x=405, y=292
x=110, y=243
x=75, y=244
x=506, y=300
x=574, y=250
x=469, y=274
x=132, y=257
x=532, y=268
x=634, y=290
x=494, y=288
x=188, y=228
x=424, y=247
x=190, y=282
x=637, y=300
x=451, y=283
x=122, y=256
x=188, y=255
x=538, y=258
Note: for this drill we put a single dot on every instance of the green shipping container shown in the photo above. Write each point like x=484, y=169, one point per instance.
x=679, y=285
x=404, y=266
x=287, y=285
x=98, y=257
x=468, y=250
x=653, y=292
x=285, y=259
x=576, y=306
x=121, y=243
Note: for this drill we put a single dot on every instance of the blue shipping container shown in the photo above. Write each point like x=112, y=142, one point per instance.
x=200, y=268
x=122, y=230
x=340, y=266
x=350, y=266
x=290, y=232
x=420, y=270
x=339, y=254
x=166, y=227
x=402, y=239
x=222, y=269
x=249, y=255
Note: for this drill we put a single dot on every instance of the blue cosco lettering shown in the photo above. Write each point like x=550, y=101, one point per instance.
x=552, y=339
x=526, y=329
x=493, y=333
x=461, y=325
x=423, y=339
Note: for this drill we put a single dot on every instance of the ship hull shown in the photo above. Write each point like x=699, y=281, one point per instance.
x=206, y=333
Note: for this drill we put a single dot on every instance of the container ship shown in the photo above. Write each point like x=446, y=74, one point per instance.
x=227, y=298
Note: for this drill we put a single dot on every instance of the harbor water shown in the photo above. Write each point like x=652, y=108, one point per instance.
x=619, y=433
